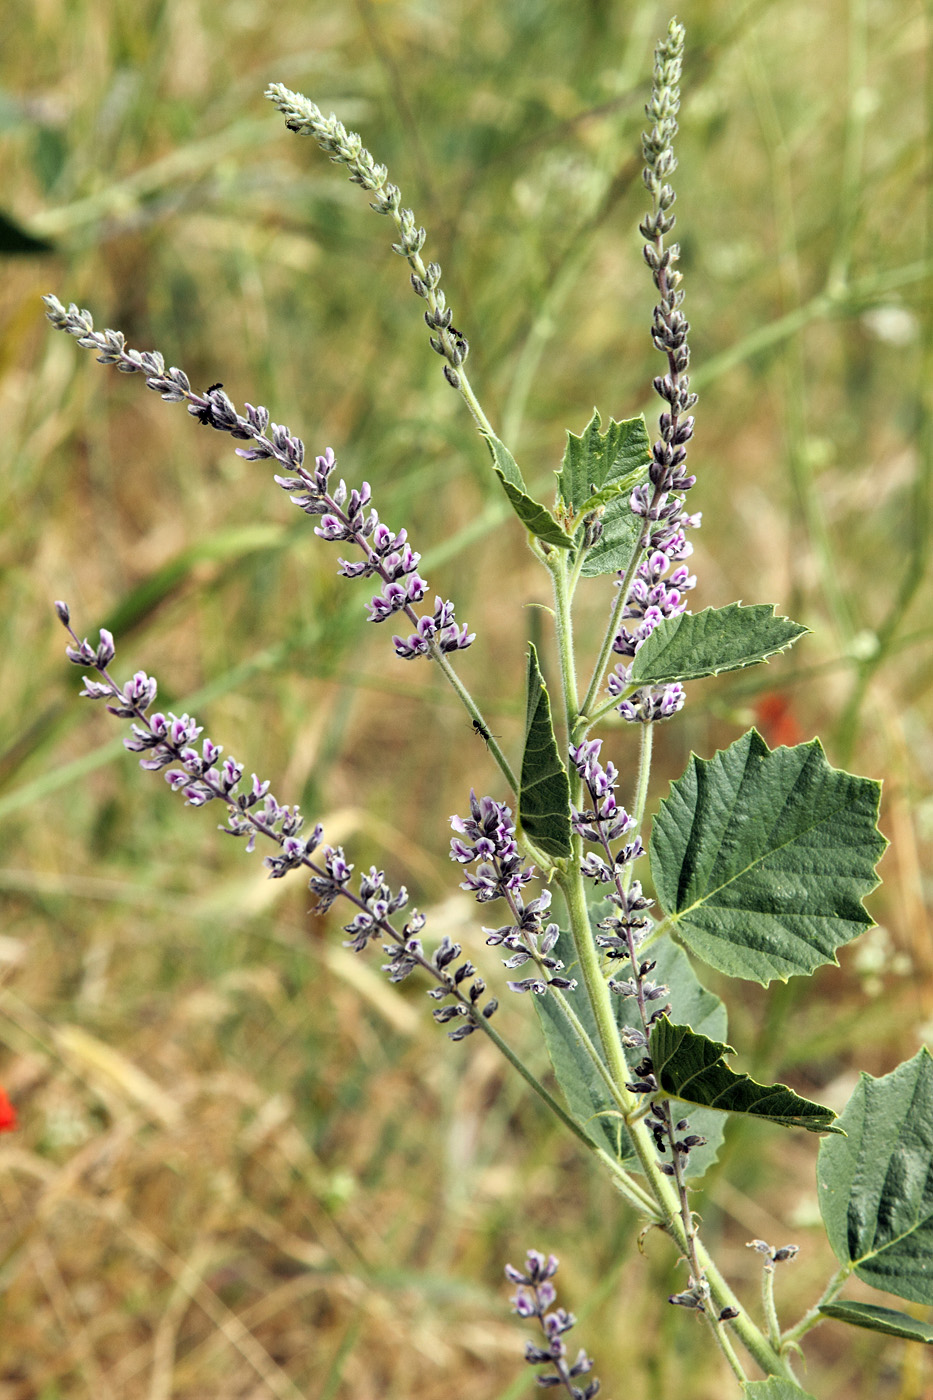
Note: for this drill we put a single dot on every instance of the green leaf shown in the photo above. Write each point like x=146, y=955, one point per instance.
x=613, y=549
x=887, y=1320
x=774, y=1388
x=691, y=1068
x=585, y=1092
x=544, y=793
x=49, y=155
x=504, y=463
x=598, y=467
x=600, y=470
x=696, y=1006
x=876, y=1184
x=533, y=515
x=761, y=859
x=718, y=639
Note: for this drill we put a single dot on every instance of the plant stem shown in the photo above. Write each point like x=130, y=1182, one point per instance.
x=475, y=714
x=597, y=988
x=728, y=1351
x=721, y=1295
x=661, y=1187
x=612, y=627
x=626, y=1184
x=767, y=1303
x=564, y=634
x=641, y=792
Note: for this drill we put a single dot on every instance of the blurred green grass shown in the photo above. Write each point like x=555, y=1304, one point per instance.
x=248, y=1166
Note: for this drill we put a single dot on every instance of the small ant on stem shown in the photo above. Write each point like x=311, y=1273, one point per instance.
x=480, y=729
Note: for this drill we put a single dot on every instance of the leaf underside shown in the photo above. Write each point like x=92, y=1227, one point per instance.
x=876, y=1184
x=887, y=1320
x=762, y=858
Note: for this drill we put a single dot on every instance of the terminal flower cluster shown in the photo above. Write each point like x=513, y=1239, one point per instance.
x=348, y=516
x=345, y=515
x=660, y=500
x=201, y=777
x=651, y=596
x=535, y=1297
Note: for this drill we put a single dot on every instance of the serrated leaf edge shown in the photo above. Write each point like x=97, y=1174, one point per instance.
x=732, y=609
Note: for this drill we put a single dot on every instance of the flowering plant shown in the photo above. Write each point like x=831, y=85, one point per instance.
x=758, y=859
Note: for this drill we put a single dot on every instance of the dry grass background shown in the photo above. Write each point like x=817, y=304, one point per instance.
x=246, y=1165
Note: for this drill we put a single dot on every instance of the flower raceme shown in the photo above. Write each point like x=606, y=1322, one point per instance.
x=346, y=515
x=490, y=841
x=646, y=596
x=605, y=821
x=490, y=833
x=535, y=1297
x=201, y=777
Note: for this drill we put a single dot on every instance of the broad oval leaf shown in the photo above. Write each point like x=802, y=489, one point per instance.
x=762, y=859
x=585, y=1092
x=774, y=1388
x=692, y=1069
x=533, y=515
x=887, y=1320
x=544, y=789
x=876, y=1184
x=687, y=647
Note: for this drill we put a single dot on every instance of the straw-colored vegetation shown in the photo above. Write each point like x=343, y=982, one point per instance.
x=246, y=1165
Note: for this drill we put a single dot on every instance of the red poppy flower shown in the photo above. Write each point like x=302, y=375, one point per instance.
x=7, y=1114
x=776, y=719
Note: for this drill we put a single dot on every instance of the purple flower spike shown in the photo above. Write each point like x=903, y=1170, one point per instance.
x=487, y=837
x=659, y=502
x=490, y=840
x=653, y=703
x=202, y=776
x=650, y=598
x=442, y=628
x=536, y=1297
x=346, y=515
x=605, y=821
